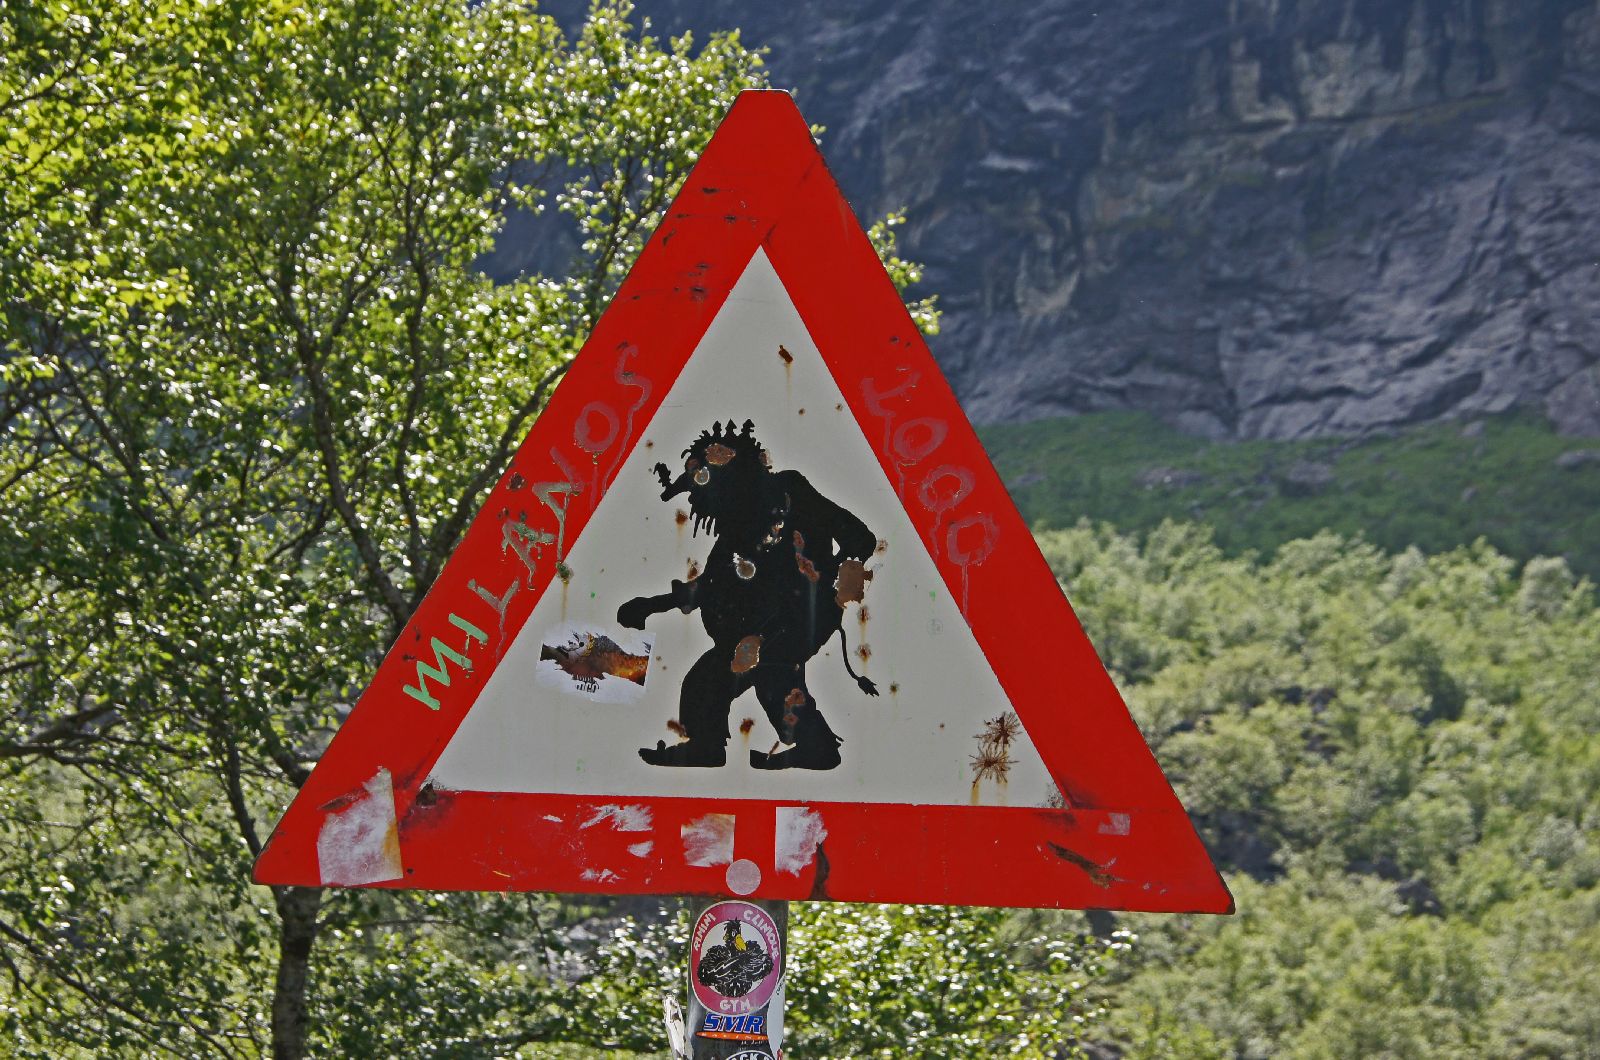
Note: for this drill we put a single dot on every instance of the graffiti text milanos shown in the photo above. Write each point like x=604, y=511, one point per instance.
x=604, y=434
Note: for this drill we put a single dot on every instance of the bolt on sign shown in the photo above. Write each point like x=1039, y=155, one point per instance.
x=749, y=615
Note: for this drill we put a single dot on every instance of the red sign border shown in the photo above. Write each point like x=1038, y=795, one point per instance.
x=1122, y=840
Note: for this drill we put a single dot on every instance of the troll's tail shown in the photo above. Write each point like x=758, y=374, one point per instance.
x=865, y=684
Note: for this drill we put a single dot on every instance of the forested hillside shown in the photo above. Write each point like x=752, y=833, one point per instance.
x=1509, y=479
x=1393, y=756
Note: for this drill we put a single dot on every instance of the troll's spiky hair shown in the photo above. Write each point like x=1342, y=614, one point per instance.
x=742, y=442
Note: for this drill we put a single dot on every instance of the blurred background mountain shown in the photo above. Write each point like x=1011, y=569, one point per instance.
x=1251, y=218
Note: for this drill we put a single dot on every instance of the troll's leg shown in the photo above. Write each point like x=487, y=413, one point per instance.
x=793, y=712
x=704, y=700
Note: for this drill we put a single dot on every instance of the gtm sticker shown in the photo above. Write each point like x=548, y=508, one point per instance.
x=735, y=958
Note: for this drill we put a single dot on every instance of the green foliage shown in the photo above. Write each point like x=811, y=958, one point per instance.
x=1393, y=757
x=933, y=981
x=1435, y=487
x=925, y=311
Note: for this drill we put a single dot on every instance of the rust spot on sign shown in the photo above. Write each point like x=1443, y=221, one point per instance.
x=1097, y=872
x=883, y=546
x=805, y=566
x=517, y=482
x=348, y=799
x=675, y=727
x=864, y=652
x=851, y=585
x=819, y=884
x=746, y=725
x=694, y=570
x=747, y=654
x=788, y=358
x=718, y=454
x=681, y=518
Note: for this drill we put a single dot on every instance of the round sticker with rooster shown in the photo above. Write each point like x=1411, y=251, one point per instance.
x=735, y=958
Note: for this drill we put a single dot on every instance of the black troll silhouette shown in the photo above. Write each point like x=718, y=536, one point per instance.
x=785, y=562
x=735, y=965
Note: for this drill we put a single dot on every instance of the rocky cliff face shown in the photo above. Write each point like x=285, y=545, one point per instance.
x=1256, y=218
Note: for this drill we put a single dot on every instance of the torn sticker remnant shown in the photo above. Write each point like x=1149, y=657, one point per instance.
x=708, y=840
x=798, y=834
x=359, y=843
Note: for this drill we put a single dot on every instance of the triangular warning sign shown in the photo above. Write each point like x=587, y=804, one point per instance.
x=750, y=613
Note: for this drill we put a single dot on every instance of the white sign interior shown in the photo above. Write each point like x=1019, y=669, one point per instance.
x=577, y=694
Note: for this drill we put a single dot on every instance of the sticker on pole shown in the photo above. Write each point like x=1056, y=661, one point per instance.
x=750, y=613
x=735, y=963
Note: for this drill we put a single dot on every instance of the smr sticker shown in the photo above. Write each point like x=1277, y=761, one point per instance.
x=735, y=960
x=604, y=665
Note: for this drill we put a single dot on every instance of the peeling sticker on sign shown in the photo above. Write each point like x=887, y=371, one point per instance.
x=799, y=833
x=360, y=842
x=708, y=840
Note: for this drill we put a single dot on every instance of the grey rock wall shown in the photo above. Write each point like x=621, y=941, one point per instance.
x=1255, y=218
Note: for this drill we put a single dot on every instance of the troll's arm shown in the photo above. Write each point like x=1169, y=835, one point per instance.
x=684, y=595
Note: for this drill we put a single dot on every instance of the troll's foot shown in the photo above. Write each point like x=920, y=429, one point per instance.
x=801, y=756
x=691, y=753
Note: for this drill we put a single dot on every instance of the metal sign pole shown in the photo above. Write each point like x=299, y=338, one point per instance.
x=738, y=961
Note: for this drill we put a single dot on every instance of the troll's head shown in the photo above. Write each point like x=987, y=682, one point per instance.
x=722, y=472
